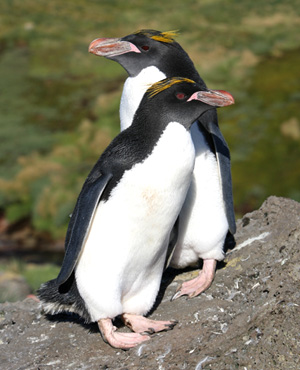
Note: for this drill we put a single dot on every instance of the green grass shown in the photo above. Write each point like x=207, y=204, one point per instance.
x=34, y=274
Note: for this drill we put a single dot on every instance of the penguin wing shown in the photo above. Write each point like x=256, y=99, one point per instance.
x=210, y=122
x=81, y=221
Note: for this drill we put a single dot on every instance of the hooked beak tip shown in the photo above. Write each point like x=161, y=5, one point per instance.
x=93, y=45
x=230, y=98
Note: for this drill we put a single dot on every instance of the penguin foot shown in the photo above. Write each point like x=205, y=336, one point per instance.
x=140, y=324
x=119, y=340
x=194, y=287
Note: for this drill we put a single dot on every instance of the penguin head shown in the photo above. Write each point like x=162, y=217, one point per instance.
x=146, y=48
x=180, y=99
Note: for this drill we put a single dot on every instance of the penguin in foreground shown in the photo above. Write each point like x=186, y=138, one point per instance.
x=207, y=214
x=118, y=234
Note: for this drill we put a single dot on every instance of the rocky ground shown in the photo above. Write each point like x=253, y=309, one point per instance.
x=248, y=319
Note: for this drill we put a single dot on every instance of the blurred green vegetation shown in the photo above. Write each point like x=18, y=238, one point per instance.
x=59, y=104
x=34, y=274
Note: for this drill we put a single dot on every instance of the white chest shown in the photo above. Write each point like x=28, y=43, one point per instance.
x=167, y=168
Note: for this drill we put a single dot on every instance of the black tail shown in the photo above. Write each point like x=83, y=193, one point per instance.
x=56, y=298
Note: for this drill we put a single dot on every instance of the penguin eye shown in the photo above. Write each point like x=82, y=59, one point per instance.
x=180, y=96
x=145, y=47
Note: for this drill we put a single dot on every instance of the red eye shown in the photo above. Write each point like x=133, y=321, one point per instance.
x=145, y=47
x=180, y=96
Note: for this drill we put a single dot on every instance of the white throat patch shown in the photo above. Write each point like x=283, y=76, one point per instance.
x=133, y=91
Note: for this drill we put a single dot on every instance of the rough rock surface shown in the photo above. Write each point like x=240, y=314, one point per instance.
x=248, y=319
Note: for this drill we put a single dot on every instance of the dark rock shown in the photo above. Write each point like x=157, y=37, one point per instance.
x=248, y=319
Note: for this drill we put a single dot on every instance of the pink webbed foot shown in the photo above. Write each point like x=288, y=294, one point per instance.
x=119, y=340
x=141, y=324
x=198, y=285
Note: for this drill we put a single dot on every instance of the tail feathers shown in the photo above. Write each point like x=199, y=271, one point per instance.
x=53, y=301
x=56, y=298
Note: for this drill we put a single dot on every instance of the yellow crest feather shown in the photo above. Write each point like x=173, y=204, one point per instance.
x=165, y=84
x=167, y=36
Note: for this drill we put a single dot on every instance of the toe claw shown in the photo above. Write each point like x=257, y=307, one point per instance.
x=171, y=326
x=176, y=295
x=149, y=331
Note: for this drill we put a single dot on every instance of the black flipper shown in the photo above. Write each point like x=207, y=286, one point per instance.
x=209, y=121
x=80, y=222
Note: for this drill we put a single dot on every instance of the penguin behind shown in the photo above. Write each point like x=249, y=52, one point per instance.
x=149, y=56
x=118, y=234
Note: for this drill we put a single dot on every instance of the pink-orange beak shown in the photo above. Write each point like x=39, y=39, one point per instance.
x=109, y=47
x=215, y=98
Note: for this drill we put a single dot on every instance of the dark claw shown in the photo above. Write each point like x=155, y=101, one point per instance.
x=149, y=331
x=171, y=326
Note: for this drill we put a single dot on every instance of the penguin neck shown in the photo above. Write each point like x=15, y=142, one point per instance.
x=133, y=91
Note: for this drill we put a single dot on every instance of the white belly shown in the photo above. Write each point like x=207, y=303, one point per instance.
x=121, y=264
